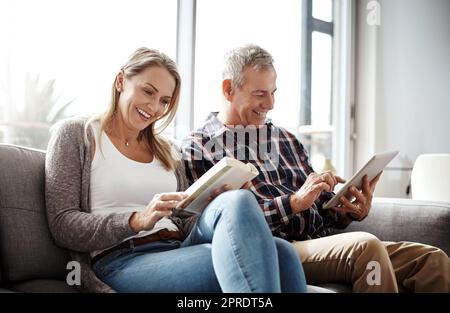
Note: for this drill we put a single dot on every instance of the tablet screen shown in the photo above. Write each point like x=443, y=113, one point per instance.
x=372, y=168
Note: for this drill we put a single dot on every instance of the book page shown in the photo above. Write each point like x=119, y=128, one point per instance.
x=227, y=171
x=210, y=182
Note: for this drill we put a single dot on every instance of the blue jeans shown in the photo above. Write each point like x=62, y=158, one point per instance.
x=230, y=249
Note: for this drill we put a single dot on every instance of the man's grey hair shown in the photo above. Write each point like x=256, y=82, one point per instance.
x=239, y=58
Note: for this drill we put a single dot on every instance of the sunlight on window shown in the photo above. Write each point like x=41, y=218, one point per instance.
x=272, y=24
x=57, y=53
x=323, y=10
x=317, y=136
x=321, y=79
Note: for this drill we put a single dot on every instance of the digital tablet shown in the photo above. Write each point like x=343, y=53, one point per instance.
x=372, y=168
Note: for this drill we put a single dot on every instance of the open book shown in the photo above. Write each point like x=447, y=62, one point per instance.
x=227, y=171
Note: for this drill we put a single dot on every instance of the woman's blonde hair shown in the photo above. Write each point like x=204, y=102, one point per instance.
x=140, y=60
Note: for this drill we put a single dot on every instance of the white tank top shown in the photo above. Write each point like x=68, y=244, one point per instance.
x=119, y=184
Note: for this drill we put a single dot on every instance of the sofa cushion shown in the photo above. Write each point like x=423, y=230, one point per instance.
x=43, y=286
x=3, y=290
x=27, y=250
x=393, y=219
x=317, y=289
x=338, y=288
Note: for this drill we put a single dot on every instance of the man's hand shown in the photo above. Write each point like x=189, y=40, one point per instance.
x=311, y=189
x=362, y=204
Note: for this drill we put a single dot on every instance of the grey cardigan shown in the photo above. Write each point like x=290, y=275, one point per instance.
x=67, y=181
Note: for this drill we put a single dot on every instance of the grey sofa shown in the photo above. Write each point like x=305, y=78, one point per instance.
x=31, y=262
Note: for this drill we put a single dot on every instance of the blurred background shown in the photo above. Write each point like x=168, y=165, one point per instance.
x=355, y=77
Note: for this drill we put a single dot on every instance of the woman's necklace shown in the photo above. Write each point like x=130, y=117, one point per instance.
x=125, y=141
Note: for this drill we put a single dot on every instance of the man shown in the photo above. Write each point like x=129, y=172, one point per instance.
x=291, y=194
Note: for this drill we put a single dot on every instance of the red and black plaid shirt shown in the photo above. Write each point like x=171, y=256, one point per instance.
x=280, y=175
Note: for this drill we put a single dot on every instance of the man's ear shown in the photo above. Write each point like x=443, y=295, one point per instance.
x=119, y=81
x=226, y=89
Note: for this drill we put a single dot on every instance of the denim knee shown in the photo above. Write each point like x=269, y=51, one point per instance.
x=286, y=249
x=241, y=201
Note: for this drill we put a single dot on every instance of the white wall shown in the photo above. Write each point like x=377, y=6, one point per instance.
x=403, y=85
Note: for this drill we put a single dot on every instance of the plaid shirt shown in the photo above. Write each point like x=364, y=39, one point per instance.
x=278, y=178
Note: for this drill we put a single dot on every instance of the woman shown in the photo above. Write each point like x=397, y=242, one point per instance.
x=111, y=185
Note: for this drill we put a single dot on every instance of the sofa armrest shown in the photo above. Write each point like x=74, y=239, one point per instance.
x=392, y=219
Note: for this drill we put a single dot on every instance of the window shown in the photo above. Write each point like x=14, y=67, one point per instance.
x=303, y=102
x=322, y=10
x=316, y=129
x=59, y=58
x=272, y=24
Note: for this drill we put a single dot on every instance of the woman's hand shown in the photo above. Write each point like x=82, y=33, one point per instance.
x=213, y=194
x=311, y=189
x=247, y=185
x=160, y=206
x=218, y=191
x=362, y=204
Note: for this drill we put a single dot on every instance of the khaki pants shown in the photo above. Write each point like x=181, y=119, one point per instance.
x=347, y=258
